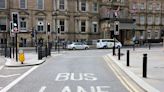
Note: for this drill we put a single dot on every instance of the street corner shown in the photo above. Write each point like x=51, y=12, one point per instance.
x=31, y=62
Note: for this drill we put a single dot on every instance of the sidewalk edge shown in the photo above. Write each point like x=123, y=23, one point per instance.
x=135, y=78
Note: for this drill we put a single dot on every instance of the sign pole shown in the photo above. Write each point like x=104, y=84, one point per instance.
x=16, y=48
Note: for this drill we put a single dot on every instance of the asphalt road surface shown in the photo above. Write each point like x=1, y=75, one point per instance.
x=72, y=71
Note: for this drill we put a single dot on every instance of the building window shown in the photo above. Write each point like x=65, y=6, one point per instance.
x=2, y=4
x=23, y=4
x=149, y=34
x=95, y=7
x=40, y=4
x=83, y=26
x=142, y=19
x=3, y=24
x=150, y=20
x=83, y=5
x=156, y=35
x=62, y=24
x=158, y=6
x=142, y=6
x=134, y=6
x=157, y=20
x=23, y=24
x=163, y=21
x=150, y=7
x=40, y=25
x=61, y=4
x=94, y=27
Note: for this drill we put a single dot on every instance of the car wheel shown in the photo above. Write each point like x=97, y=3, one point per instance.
x=86, y=48
x=74, y=48
x=104, y=47
x=118, y=46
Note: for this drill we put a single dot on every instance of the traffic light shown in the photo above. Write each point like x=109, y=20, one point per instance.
x=58, y=31
x=15, y=19
x=48, y=27
x=116, y=29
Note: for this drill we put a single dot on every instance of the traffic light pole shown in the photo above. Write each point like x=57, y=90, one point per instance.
x=16, y=48
x=13, y=46
x=114, y=45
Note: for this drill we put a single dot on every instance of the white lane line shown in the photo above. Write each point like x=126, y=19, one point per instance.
x=5, y=89
x=42, y=89
x=6, y=76
x=1, y=67
x=0, y=87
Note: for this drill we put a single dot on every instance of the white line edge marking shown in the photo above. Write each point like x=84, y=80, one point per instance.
x=111, y=66
x=5, y=89
x=6, y=76
x=1, y=67
x=42, y=89
x=17, y=68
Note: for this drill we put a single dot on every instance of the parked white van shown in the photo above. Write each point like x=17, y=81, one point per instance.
x=108, y=43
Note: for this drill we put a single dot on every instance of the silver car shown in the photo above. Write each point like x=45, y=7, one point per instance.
x=77, y=45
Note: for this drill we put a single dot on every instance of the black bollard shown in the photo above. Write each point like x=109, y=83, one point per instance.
x=144, y=65
x=119, y=53
x=39, y=53
x=10, y=52
x=127, y=58
x=113, y=51
x=5, y=51
x=46, y=51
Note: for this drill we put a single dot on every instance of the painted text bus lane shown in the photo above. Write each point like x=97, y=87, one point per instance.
x=89, y=78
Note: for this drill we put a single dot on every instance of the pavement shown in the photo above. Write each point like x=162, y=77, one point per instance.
x=30, y=60
x=155, y=67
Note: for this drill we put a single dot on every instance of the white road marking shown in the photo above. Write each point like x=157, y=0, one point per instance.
x=1, y=67
x=5, y=89
x=0, y=87
x=17, y=68
x=42, y=89
x=6, y=76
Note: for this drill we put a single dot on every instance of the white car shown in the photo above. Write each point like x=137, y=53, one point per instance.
x=108, y=43
x=77, y=45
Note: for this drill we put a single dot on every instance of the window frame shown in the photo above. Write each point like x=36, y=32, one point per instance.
x=38, y=4
x=25, y=4
x=5, y=5
x=83, y=27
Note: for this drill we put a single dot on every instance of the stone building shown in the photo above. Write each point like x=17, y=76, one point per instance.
x=112, y=11
x=77, y=20
x=149, y=16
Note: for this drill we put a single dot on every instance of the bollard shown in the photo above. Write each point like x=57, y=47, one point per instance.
x=10, y=52
x=46, y=51
x=113, y=51
x=127, y=58
x=118, y=53
x=39, y=53
x=144, y=65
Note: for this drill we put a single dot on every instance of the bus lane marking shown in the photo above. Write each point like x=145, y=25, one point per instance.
x=42, y=89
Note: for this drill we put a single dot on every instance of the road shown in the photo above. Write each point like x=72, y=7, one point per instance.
x=72, y=71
